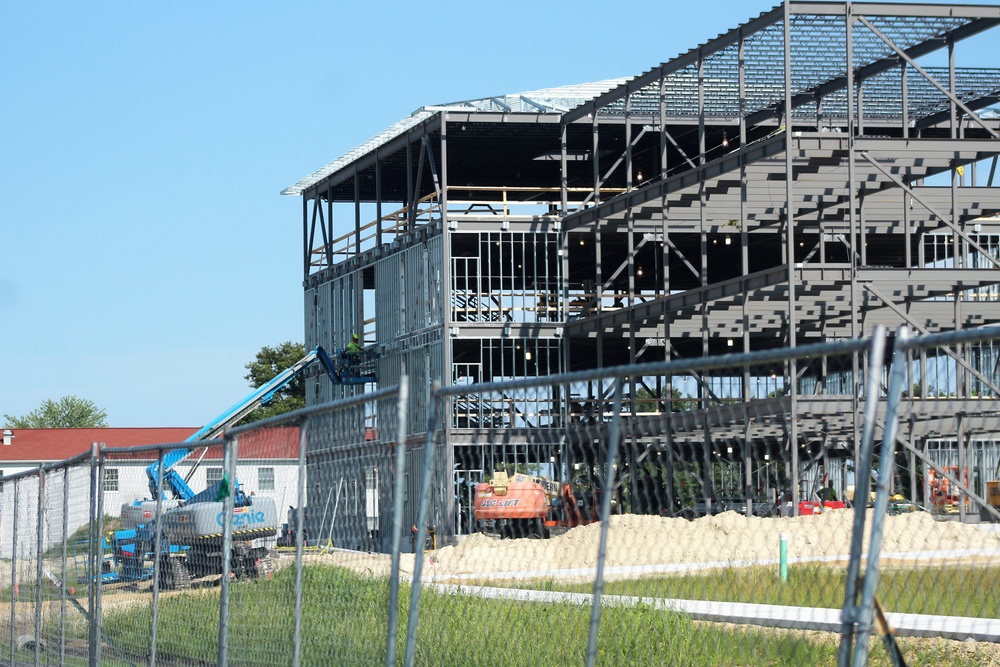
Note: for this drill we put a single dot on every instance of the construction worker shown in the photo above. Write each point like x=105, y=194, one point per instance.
x=354, y=349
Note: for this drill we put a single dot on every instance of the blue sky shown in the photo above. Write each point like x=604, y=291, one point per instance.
x=146, y=254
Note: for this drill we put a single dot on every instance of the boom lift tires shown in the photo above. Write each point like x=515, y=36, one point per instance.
x=177, y=572
x=173, y=573
x=513, y=529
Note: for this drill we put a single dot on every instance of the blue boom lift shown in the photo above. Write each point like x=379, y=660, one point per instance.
x=189, y=520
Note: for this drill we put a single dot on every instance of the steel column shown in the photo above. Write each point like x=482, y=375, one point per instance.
x=790, y=252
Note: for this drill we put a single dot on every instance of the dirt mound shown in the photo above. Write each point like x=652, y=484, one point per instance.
x=639, y=540
x=639, y=544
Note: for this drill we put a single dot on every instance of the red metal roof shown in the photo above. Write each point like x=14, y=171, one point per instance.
x=57, y=444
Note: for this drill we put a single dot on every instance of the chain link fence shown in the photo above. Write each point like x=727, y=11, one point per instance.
x=829, y=504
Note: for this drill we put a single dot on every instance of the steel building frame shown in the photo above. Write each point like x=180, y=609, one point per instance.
x=755, y=191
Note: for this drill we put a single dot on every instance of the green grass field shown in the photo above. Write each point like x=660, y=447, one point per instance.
x=949, y=591
x=345, y=622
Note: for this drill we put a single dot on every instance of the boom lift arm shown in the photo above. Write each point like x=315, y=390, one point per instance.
x=173, y=481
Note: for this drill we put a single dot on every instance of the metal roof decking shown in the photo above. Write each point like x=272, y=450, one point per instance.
x=818, y=48
x=547, y=100
x=818, y=44
x=881, y=93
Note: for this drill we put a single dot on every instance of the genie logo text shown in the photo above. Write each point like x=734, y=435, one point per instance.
x=243, y=517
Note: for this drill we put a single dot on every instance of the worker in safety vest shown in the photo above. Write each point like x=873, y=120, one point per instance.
x=353, y=350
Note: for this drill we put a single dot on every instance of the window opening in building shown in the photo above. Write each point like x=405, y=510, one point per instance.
x=505, y=277
x=110, y=479
x=939, y=250
x=265, y=479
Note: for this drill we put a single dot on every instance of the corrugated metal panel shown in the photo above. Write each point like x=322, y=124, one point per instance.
x=331, y=318
x=423, y=365
x=412, y=294
x=408, y=292
x=343, y=307
x=309, y=308
x=435, y=262
x=389, y=369
x=416, y=363
x=323, y=318
x=436, y=367
x=389, y=302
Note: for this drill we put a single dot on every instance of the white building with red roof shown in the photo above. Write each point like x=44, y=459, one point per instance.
x=267, y=465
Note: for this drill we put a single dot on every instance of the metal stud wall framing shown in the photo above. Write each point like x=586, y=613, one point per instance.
x=407, y=288
x=506, y=277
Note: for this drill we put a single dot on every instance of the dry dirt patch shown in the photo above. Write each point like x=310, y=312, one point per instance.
x=643, y=540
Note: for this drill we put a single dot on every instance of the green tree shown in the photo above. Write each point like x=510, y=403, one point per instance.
x=269, y=362
x=67, y=412
x=645, y=401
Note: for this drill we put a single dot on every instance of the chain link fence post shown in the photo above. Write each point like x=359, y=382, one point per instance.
x=229, y=488
x=39, y=552
x=433, y=417
x=403, y=401
x=158, y=561
x=93, y=571
x=608, y=486
x=299, y=519
x=64, y=561
x=13, y=571
x=876, y=354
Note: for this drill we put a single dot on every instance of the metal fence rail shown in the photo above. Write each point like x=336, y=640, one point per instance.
x=689, y=512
